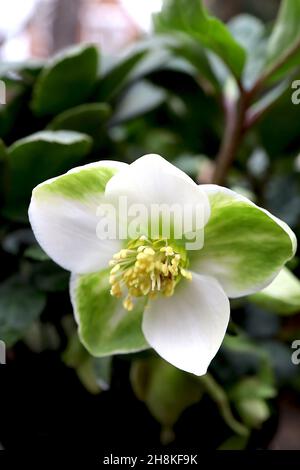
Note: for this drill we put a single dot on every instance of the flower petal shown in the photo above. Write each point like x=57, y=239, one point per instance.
x=63, y=216
x=151, y=180
x=187, y=329
x=245, y=246
x=105, y=327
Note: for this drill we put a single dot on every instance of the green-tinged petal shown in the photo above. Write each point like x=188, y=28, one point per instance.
x=64, y=215
x=282, y=295
x=105, y=327
x=245, y=246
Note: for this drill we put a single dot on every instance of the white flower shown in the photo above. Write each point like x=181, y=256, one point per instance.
x=175, y=300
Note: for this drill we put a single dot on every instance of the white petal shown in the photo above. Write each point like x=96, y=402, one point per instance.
x=151, y=180
x=245, y=246
x=187, y=329
x=63, y=216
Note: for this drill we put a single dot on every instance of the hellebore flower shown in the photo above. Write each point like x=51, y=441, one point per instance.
x=141, y=292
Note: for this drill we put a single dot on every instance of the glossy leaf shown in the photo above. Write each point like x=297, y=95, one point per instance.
x=86, y=118
x=38, y=157
x=66, y=81
x=141, y=98
x=20, y=305
x=282, y=296
x=284, y=36
x=192, y=19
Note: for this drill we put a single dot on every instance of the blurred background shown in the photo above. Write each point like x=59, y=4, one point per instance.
x=137, y=93
x=38, y=28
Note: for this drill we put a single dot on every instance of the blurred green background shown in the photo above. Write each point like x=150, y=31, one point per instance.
x=171, y=91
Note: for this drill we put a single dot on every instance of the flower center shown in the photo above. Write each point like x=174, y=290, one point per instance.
x=145, y=268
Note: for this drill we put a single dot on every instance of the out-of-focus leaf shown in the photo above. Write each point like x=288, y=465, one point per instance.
x=242, y=344
x=39, y=157
x=282, y=296
x=49, y=277
x=234, y=443
x=3, y=170
x=285, y=34
x=20, y=305
x=253, y=411
x=94, y=373
x=250, y=33
x=118, y=75
x=258, y=322
x=36, y=253
x=167, y=391
x=268, y=99
x=286, y=117
x=17, y=239
x=102, y=367
x=66, y=81
x=251, y=387
x=280, y=359
x=258, y=163
x=30, y=68
x=192, y=19
x=141, y=98
x=86, y=118
x=12, y=113
x=282, y=194
x=190, y=50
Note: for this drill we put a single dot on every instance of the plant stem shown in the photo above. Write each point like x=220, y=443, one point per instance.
x=288, y=54
x=219, y=396
x=234, y=124
x=237, y=121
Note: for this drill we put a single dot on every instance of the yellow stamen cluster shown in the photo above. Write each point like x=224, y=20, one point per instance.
x=146, y=268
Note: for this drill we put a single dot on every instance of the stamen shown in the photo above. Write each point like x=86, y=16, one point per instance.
x=146, y=268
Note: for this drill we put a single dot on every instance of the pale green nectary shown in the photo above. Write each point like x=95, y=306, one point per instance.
x=154, y=292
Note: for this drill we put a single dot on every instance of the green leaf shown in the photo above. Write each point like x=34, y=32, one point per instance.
x=285, y=35
x=253, y=411
x=282, y=296
x=192, y=19
x=166, y=390
x=234, y=442
x=250, y=33
x=105, y=327
x=36, y=158
x=190, y=50
x=36, y=253
x=268, y=99
x=243, y=345
x=251, y=387
x=94, y=373
x=118, y=75
x=20, y=305
x=3, y=170
x=87, y=118
x=141, y=98
x=66, y=81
